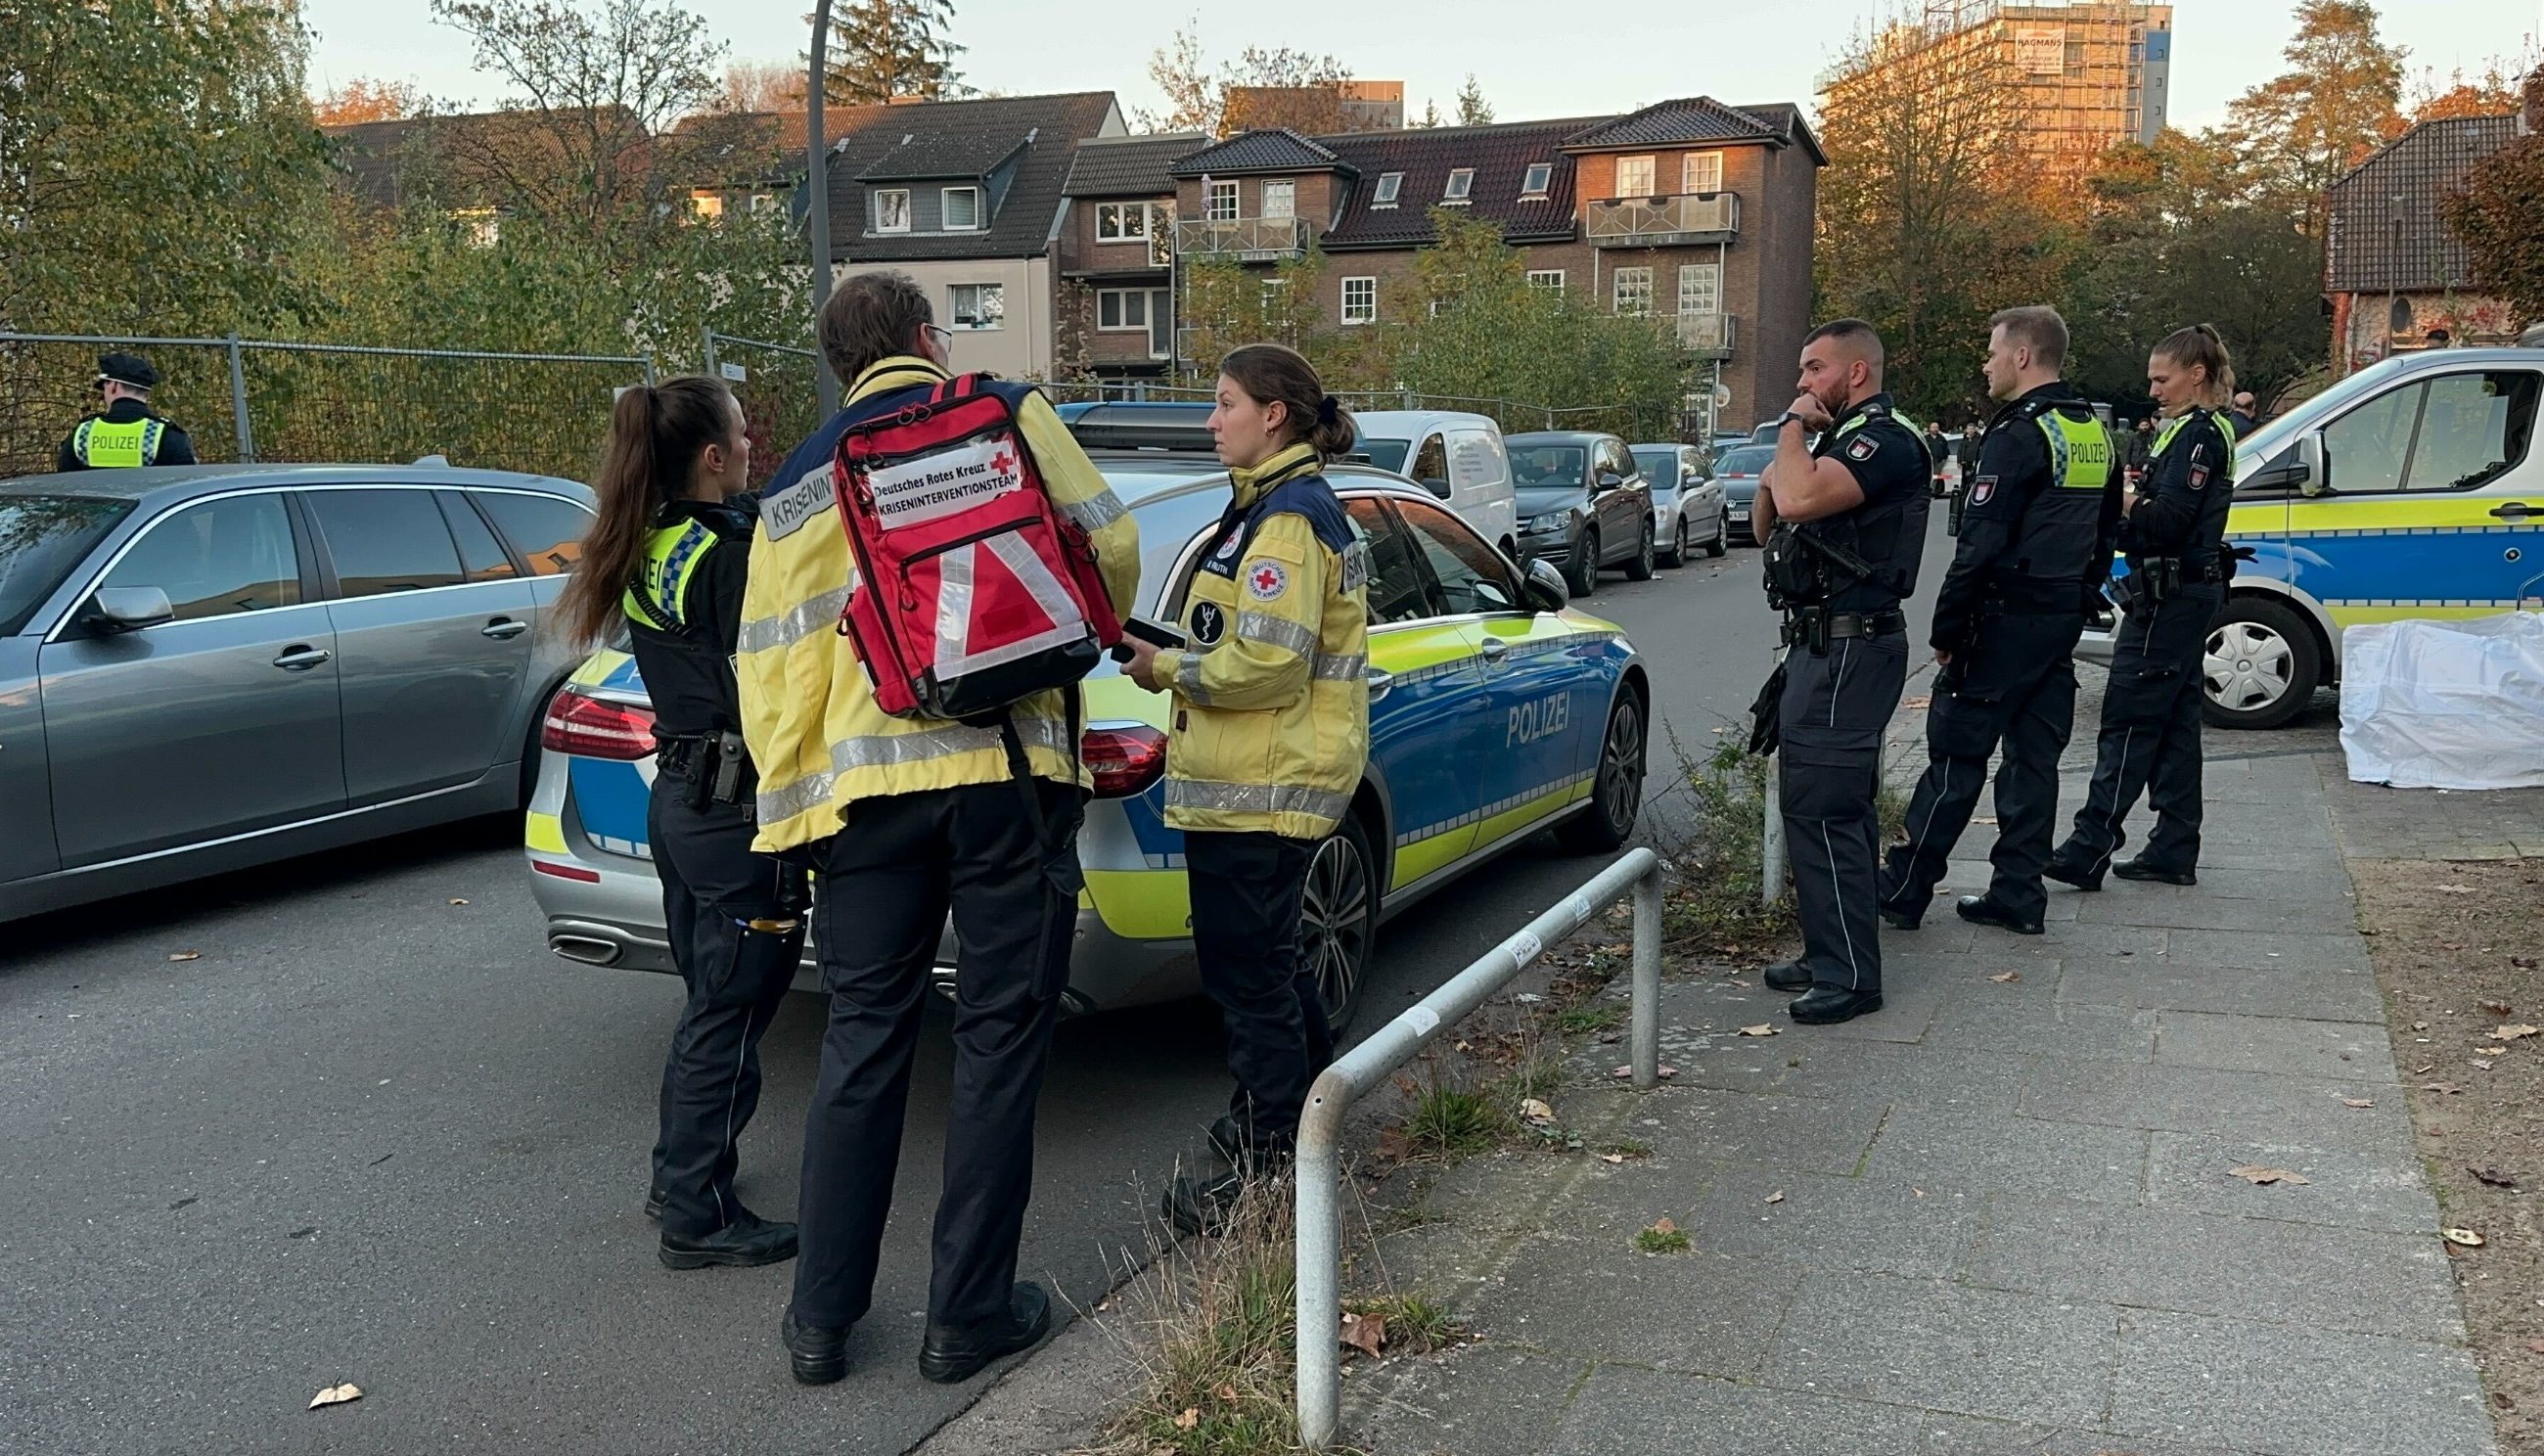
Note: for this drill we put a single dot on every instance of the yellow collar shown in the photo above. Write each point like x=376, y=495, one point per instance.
x=1289, y=460
x=886, y=373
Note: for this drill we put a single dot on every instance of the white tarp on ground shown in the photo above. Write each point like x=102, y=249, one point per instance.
x=2445, y=705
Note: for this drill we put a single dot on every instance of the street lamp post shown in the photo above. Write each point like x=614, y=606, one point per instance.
x=817, y=196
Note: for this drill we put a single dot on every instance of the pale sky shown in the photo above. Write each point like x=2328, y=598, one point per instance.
x=1735, y=50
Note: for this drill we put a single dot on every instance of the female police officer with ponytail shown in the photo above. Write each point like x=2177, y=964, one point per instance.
x=2178, y=566
x=668, y=555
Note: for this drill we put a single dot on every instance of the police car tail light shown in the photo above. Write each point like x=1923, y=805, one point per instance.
x=1125, y=759
x=596, y=729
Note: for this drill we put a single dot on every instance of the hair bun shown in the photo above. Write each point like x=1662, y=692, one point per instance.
x=1329, y=409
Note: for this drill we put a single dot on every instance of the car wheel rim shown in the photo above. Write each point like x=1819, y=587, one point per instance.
x=1678, y=543
x=1334, y=920
x=2248, y=667
x=1620, y=767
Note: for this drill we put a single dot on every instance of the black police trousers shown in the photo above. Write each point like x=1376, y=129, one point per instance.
x=2015, y=686
x=1245, y=894
x=2150, y=737
x=1834, y=708
x=883, y=884
x=713, y=887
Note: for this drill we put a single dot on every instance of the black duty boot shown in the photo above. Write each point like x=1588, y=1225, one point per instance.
x=954, y=1353
x=1898, y=919
x=818, y=1354
x=2139, y=870
x=749, y=1242
x=1787, y=976
x=1828, y=1005
x=654, y=1204
x=2067, y=870
x=1979, y=910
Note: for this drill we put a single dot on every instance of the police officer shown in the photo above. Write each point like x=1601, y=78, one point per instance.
x=2174, y=541
x=1269, y=736
x=903, y=819
x=124, y=431
x=668, y=555
x=2036, y=538
x=1848, y=523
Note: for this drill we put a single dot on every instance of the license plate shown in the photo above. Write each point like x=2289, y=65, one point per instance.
x=1739, y=513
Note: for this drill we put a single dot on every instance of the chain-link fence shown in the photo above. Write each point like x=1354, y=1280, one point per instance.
x=775, y=383
x=255, y=399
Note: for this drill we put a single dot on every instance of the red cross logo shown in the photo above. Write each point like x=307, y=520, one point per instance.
x=1005, y=461
x=1266, y=579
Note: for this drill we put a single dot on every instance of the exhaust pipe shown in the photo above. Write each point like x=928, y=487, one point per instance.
x=589, y=949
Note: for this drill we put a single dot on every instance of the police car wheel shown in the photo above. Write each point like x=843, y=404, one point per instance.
x=1581, y=575
x=2260, y=667
x=1638, y=567
x=1338, y=919
x=1616, y=787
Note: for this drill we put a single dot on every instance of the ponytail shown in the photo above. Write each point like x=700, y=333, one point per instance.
x=2199, y=345
x=656, y=433
x=1273, y=372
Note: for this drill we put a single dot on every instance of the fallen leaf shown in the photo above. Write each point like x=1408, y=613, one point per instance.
x=2449, y=945
x=1777, y=1196
x=2512, y=1034
x=2443, y=1089
x=2494, y=1177
x=1611, y=1157
x=1190, y=1418
x=2496, y=1007
x=1917, y=702
x=1623, y=1072
x=2420, y=1025
x=459, y=902
x=2523, y=963
x=1394, y=1144
x=1762, y=1028
x=2358, y=1101
x=2479, y=1065
x=2005, y=975
x=1664, y=1225
x=2463, y=1238
x=2253, y=1172
x=1668, y=1071
x=2425, y=1070
x=1365, y=1333
x=1536, y=1113
x=187, y=955
x=2537, y=1346
x=1224, y=1392
x=336, y=1395
x=2454, y=889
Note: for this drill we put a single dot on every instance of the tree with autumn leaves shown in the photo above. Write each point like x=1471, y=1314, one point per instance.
x=2499, y=214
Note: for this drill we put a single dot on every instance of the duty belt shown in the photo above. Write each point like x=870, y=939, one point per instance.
x=716, y=765
x=1821, y=626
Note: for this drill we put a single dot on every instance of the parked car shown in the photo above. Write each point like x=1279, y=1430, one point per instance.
x=203, y=668
x=1495, y=712
x=1686, y=505
x=1457, y=458
x=2410, y=489
x=1583, y=505
x=1737, y=472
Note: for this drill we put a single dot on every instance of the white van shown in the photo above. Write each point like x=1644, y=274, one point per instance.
x=1457, y=458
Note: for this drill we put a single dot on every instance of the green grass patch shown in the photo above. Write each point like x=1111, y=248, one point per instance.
x=1662, y=1238
x=1599, y=1016
x=1457, y=1123
x=1714, y=904
x=1415, y=1325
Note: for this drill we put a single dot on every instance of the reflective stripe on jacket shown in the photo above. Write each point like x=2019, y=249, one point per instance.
x=1271, y=720
x=808, y=712
x=100, y=445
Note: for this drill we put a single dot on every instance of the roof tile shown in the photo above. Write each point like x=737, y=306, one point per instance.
x=1129, y=166
x=2363, y=254
x=1276, y=149
x=1500, y=156
x=995, y=127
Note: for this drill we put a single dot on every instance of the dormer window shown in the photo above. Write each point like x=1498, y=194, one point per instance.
x=1540, y=176
x=962, y=208
x=891, y=210
x=1388, y=185
x=1461, y=182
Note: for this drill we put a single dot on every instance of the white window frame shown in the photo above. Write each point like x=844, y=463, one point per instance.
x=1121, y=299
x=1122, y=215
x=1693, y=170
x=1366, y=312
x=1711, y=274
x=1264, y=193
x=1648, y=165
x=1536, y=182
x=945, y=209
x=1220, y=192
x=1545, y=278
x=882, y=212
x=1390, y=185
x=1460, y=190
x=1640, y=294
x=953, y=311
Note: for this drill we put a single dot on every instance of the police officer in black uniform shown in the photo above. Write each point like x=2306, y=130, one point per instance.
x=124, y=431
x=1845, y=524
x=669, y=554
x=2178, y=566
x=2036, y=538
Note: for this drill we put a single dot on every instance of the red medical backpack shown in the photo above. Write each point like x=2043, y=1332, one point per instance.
x=972, y=590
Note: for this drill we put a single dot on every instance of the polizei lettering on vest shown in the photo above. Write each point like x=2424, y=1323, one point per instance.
x=946, y=482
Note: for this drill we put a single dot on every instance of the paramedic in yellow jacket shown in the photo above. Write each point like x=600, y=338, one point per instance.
x=1269, y=736
x=901, y=818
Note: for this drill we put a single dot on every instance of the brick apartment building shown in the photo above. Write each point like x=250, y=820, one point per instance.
x=1689, y=209
x=1114, y=318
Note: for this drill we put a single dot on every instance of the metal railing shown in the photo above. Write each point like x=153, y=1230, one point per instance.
x=1319, y=1170
x=1251, y=239
x=1708, y=332
x=779, y=388
x=1663, y=221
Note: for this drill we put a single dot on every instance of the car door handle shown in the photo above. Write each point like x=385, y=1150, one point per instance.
x=502, y=629
x=1380, y=682
x=2512, y=510
x=300, y=657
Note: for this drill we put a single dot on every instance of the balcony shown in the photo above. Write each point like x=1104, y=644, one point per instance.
x=1245, y=239
x=1708, y=335
x=1664, y=222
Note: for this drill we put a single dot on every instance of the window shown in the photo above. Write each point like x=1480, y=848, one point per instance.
x=1473, y=576
x=1635, y=290
x=480, y=554
x=962, y=208
x=1128, y=310
x=977, y=305
x=1396, y=586
x=545, y=530
x=1540, y=176
x=217, y=558
x=1461, y=182
x=1430, y=462
x=485, y=225
x=1545, y=278
x=1222, y=201
x=706, y=204
x=1121, y=222
x=1635, y=177
x=891, y=210
x=385, y=540
x=1280, y=199
x=1360, y=300
x=1388, y=185
x=1699, y=287
x=42, y=537
x=1701, y=172
x=2452, y=433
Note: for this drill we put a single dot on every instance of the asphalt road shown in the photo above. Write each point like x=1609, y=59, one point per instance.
x=345, y=1119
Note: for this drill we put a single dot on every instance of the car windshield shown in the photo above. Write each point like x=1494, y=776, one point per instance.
x=42, y=537
x=1386, y=455
x=1660, y=466
x=1543, y=465
x=1746, y=461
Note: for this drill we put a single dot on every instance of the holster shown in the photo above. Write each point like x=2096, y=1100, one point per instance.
x=712, y=767
x=1767, y=715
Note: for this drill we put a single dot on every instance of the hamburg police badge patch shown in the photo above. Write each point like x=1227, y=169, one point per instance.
x=1862, y=449
x=2198, y=478
x=1982, y=490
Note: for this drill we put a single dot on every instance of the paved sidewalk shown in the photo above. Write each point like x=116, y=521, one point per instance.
x=1997, y=1217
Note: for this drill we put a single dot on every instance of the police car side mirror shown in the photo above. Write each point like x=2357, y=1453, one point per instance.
x=2309, y=477
x=1546, y=589
x=130, y=609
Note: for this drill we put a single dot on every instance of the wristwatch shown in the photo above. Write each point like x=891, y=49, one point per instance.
x=1788, y=417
